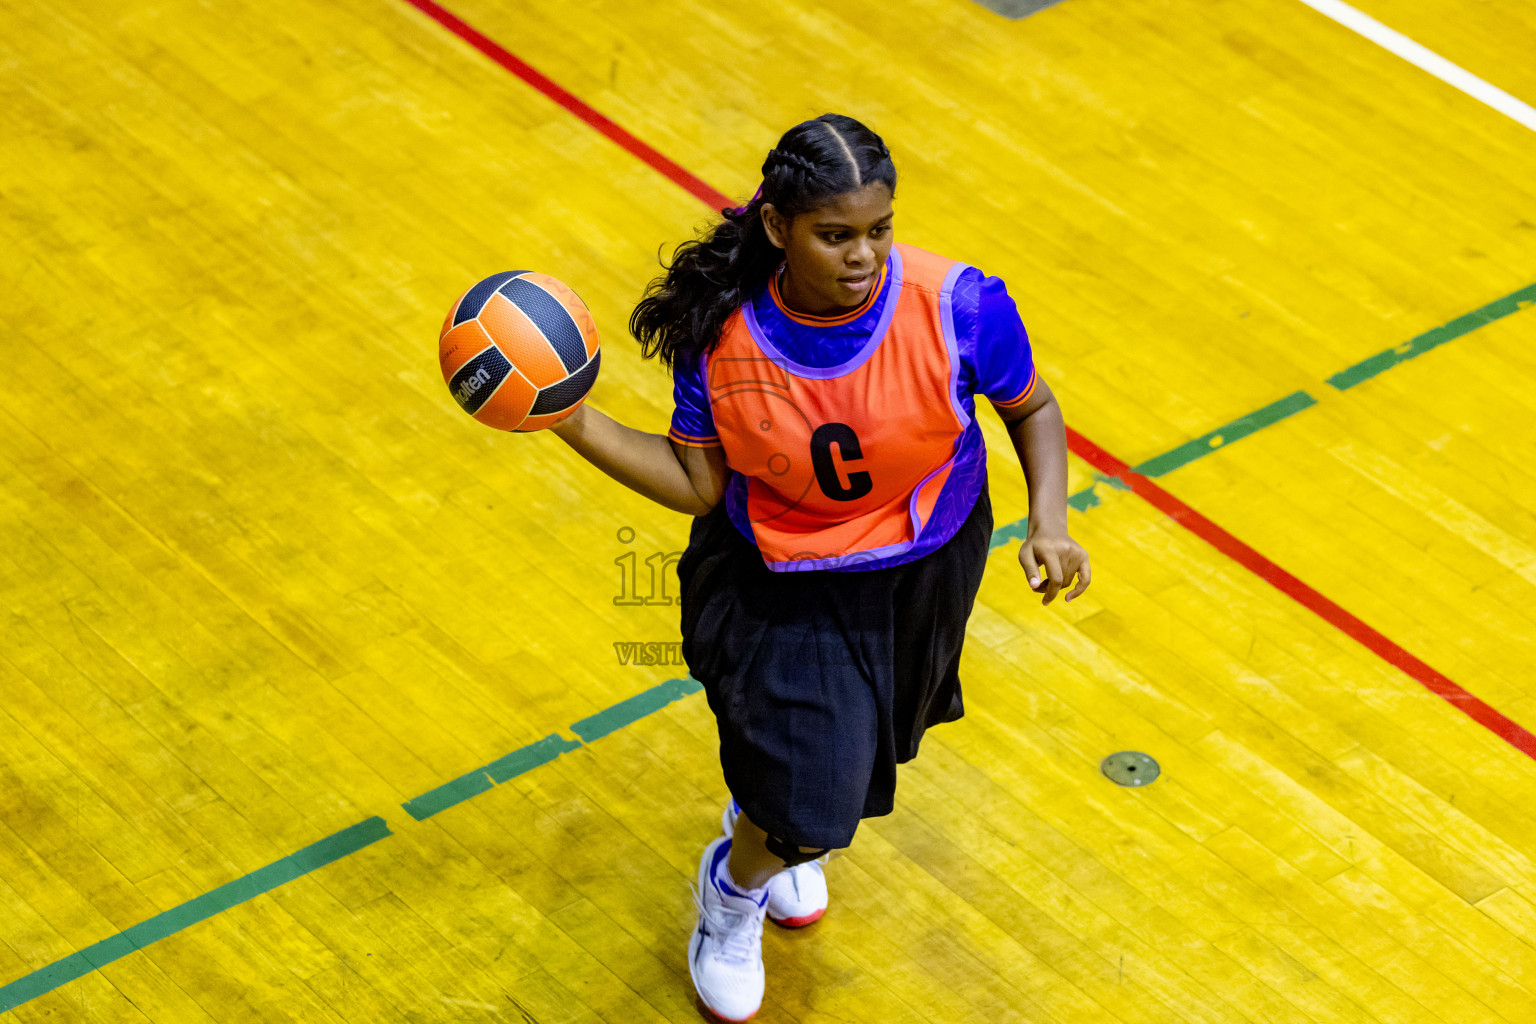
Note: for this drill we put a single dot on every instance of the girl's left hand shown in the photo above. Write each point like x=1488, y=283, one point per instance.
x=1062, y=557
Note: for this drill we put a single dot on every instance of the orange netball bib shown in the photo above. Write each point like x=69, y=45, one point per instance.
x=844, y=464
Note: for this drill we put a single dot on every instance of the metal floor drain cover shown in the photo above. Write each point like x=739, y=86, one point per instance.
x=1130, y=768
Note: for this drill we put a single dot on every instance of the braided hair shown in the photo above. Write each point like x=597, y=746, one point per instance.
x=683, y=311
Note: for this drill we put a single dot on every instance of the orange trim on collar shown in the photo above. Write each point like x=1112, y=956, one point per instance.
x=828, y=321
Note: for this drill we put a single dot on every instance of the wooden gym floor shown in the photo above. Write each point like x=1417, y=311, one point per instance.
x=314, y=707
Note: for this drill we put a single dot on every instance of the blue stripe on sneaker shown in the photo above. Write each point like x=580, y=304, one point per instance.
x=720, y=874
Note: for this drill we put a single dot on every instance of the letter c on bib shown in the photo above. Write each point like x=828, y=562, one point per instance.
x=842, y=435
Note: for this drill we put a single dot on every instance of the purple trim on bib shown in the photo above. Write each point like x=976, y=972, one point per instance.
x=882, y=327
x=855, y=559
x=918, y=524
x=947, y=319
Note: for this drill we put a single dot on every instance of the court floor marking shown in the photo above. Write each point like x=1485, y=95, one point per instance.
x=1325, y=608
x=522, y=69
x=1426, y=59
x=230, y=894
x=1415, y=347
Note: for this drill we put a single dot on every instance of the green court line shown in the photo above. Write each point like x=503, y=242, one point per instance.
x=1176, y=458
x=316, y=855
x=1221, y=437
x=1238, y=429
x=1383, y=361
x=1016, y=530
x=333, y=848
x=1082, y=501
x=481, y=780
x=524, y=759
x=635, y=708
x=1273, y=413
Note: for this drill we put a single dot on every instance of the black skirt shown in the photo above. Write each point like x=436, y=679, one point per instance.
x=822, y=682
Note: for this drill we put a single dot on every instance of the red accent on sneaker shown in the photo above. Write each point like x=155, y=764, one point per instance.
x=711, y=1015
x=798, y=922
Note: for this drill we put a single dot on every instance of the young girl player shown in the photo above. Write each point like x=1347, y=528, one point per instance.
x=825, y=437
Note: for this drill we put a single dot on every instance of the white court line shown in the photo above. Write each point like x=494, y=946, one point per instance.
x=1427, y=59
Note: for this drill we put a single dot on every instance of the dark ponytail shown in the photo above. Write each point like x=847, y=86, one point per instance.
x=683, y=310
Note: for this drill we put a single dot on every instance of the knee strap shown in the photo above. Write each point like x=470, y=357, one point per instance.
x=790, y=853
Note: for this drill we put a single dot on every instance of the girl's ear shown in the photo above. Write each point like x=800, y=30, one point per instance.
x=775, y=224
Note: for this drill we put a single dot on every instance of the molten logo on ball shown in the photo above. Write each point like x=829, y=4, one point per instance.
x=469, y=387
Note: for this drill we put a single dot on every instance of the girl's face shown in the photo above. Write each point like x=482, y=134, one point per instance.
x=833, y=254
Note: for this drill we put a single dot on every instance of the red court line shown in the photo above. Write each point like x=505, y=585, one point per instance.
x=697, y=186
x=1331, y=612
x=1328, y=610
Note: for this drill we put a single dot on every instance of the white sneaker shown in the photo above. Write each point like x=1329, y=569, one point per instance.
x=797, y=896
x=725, y=955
